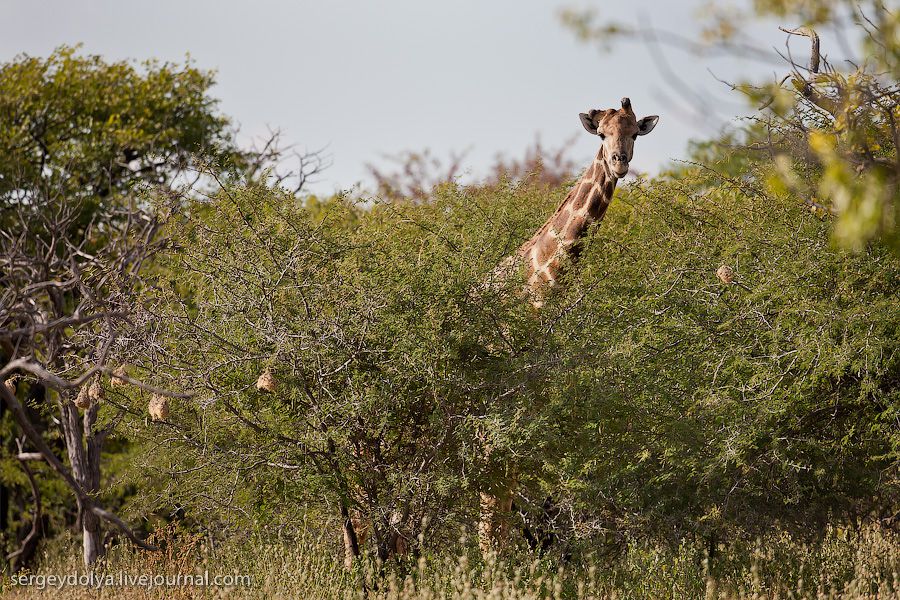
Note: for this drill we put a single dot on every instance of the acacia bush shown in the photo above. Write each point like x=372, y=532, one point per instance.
x=646, y=398
x=769, y=400
x=405, y=381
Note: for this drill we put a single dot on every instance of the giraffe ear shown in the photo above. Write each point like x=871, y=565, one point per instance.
x=587, y=119
x=647, y=124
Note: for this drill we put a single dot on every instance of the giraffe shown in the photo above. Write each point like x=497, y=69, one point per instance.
x=544, y=254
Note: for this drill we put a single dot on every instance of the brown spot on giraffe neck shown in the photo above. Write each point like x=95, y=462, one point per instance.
x=576, y=227
x=545, y=250
x=602, y=186
x=582, y=196
x=603, y=197
x=562, y=217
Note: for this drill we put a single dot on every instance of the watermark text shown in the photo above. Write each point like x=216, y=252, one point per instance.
x=125, y=579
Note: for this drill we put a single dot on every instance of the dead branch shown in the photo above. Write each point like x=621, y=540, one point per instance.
x=20, y=557
x=24, y=456
x=57, y=382
x=85, y=502
x=814, y=40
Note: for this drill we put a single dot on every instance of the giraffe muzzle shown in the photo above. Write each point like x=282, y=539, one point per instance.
x=619, y=164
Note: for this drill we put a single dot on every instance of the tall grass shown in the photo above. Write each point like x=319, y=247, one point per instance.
x=845, y=563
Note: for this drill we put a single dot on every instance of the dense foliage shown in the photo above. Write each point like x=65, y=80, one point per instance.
x=647, y=397
x=84, y=130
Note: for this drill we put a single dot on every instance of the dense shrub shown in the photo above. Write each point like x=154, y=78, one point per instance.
x=646, y=397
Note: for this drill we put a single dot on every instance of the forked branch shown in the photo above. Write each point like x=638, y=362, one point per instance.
x=84, y=500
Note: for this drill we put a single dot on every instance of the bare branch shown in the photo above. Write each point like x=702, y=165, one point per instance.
x=19, y=557
x=84, y=500
x=814, y=40
x=59, y=383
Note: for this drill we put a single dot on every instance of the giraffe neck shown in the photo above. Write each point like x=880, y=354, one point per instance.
x=558, y=238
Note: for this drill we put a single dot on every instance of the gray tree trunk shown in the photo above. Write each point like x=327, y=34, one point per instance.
x=85, y=461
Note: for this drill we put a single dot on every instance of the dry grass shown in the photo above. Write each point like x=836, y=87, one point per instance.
x=847, y=564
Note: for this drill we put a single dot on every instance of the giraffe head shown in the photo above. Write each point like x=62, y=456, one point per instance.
x=618, y=129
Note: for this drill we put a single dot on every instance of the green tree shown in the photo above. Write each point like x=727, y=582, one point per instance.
x=708, y=405
x=79, y=137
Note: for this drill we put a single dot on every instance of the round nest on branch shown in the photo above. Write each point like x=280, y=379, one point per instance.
x=116, y=379
x=267, y=382
x=83, y=399
x=725, y=274
x=95, y=391
x=158, y=407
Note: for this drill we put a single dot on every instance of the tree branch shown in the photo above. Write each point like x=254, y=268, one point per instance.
x=84, y=501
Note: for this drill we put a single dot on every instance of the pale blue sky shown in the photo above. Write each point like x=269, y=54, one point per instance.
x=365, y=78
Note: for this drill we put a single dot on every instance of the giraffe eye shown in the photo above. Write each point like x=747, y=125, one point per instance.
x=602, y=135
x=634, y=137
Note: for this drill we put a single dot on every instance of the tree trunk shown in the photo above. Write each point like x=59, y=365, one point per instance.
x=90, y=531
x=351, y=542
x=85, y=463
x=85, y=502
